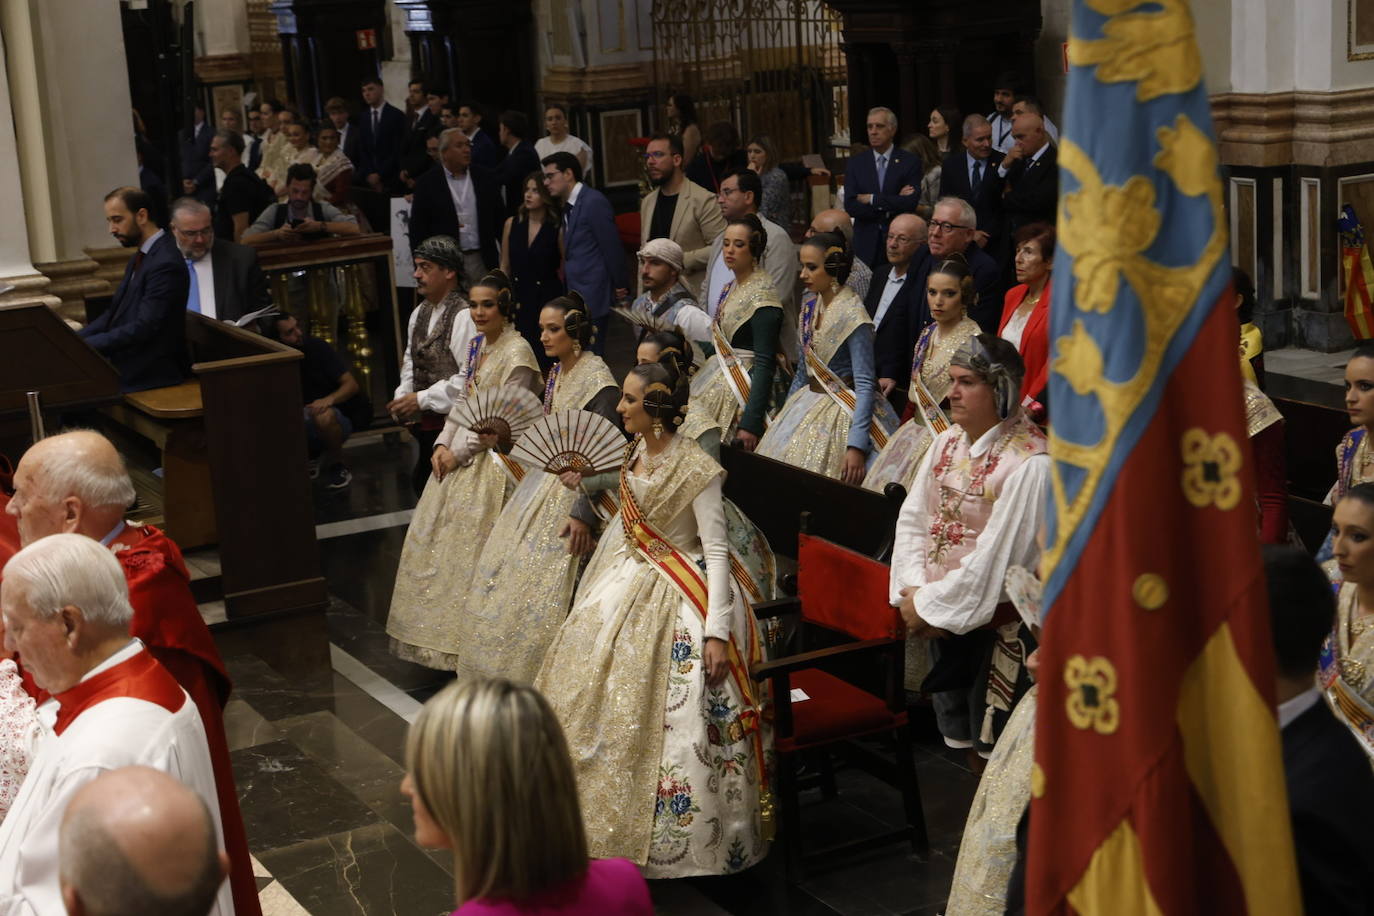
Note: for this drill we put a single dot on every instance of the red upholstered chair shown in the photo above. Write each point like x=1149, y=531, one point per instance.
x=844, y=593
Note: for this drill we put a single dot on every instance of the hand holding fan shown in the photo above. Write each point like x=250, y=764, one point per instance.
x=504, y=412
x=571, y=440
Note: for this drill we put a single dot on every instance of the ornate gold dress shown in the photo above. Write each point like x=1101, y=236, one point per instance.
x=898, y=461
x=714, y=404
x=812, y=430
x=525, y=576
x=1346, y=668
x=669, y=770
x=450, y=523
x=988, y=850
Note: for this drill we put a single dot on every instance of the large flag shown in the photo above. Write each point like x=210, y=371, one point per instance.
x=1358, y=275
x=1158, y=785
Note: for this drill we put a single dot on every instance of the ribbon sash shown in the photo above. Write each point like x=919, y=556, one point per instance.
x=736, y=379
x=927, y=408
x=1355, y=710
x=841, y=394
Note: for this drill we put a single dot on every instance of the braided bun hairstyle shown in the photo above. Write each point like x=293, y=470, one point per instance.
x=956, y=265
x=665, y=390
x=497, y=281
x=577, y=318
x=672, y=345
x=758, y=236
x=836, y=257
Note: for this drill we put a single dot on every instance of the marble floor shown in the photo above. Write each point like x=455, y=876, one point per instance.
x=319, y=762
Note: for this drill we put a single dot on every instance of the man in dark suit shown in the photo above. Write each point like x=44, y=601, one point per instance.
x=890, y=304
x=381, y=130
x=485, y=151
x=336, y=109
x=462, y=200
x=197, y=174
x=252, y=141
x=225, y=279
x=521, y=159
x=414, y=160
x=880, y=184
x=594, y=259
x=971, y=174
x=1030, y=172
x=143, y=332
x=1330, y=788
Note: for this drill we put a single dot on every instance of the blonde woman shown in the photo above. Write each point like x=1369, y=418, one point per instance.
x=488, y=777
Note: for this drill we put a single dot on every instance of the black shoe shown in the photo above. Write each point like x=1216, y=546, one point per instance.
x=339, y=477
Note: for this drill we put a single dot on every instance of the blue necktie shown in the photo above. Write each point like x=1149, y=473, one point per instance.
x=193, y=298
x=882, y=171
x=977, y=177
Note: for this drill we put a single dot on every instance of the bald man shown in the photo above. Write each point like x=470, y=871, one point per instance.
x=893, y=301
x=137, y=841
x=76, y=482
x=861, y=274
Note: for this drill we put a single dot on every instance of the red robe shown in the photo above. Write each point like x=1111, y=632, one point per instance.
x=167, y=620
x=9, y=531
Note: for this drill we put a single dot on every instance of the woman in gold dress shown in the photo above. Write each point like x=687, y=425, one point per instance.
x=464, y=495
x=528, y=567
x=950, y=294
x=834, y=419
x=732, y=391
x=649, y=674
x=1346, y=670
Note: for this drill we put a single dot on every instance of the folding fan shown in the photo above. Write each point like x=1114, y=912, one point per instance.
x=506, y=411
x=649, y=322
x=571, y=440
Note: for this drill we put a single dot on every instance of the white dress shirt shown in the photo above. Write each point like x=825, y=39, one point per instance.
x=464, y=195
x=436, y=397
x=890, y=291
x=205, y=284
x=1002, y=139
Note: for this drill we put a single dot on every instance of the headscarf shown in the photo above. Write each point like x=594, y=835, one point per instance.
x=442, y=250
x=665, y=250
x=1004, y=379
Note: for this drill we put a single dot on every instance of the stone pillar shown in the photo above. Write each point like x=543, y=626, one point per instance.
x=68, y=58
x=16, y=268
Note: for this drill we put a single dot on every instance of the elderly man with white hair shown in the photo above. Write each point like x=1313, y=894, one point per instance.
x=66, y=612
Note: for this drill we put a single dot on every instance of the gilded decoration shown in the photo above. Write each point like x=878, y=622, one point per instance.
x=1111, y=233
x=1037, y=781
x=1092, y=687
x=1150, y=591
x=1210, y=466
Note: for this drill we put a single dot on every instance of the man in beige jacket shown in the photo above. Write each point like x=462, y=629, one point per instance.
x=678, y=209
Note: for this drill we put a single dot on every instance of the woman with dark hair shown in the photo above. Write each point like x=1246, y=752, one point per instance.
x=944, y=120
x=777, y=195
x=1347, y=660
x=682, y=120
x=463, y=496
x=525, y=575
x=834, y=421
x=1026, y=307
x=732, y=391
x=1354, y=457
x=932, y=167
x=530, y=255
x=1251, y=340
x=655, y=652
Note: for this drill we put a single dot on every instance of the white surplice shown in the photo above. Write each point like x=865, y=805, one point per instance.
x=117, y=732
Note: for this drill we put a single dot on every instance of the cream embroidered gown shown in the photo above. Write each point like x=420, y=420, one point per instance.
x=449, y=526
x=1347, y=667
x=897, y=463
x=525, y=576
x=667, y=774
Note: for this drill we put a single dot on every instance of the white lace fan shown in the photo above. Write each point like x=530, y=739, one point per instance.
x=506, y=411
x=571, y=440
x=642, y=319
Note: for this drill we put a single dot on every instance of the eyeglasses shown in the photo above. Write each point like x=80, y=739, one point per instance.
x=656, y=154
x=726, y=192
x=196, y=233
x=903, y=239
x=943, y=226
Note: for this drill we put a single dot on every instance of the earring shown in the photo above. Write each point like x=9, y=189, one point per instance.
x=577, y=348
x=658, y=428
x=834, y=287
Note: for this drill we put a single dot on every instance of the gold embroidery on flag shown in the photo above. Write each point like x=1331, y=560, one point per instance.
x=1092, y=687
x=1210, y=465
x=1156, y=48
x=1150, y=591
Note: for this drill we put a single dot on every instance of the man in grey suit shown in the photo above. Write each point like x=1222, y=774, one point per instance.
x=593, y=257
x=225, y=279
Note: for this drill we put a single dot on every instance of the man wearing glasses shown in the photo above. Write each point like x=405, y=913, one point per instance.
x=678, y=209
x=951, y=231
x=225, y=279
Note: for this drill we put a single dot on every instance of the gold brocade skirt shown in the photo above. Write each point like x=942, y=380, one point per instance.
x=713, y=404
x=811, y=432
x=901, y=458
x=522, y=586
x=442, y=544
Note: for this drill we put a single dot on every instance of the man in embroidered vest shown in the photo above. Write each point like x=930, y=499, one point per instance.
x=437, y=340
x=76, y=482
x=974, y=510
x=664, y=296
x=66, y=611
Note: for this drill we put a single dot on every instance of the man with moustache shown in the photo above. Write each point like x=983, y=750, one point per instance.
x=679, y=209
x=664, y=296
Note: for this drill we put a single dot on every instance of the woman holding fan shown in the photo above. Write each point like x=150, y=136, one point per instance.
x=949, y=296
x=465, y=493
x=834, y=419
x=649, y=674
x=732, y=391
x=528, y=567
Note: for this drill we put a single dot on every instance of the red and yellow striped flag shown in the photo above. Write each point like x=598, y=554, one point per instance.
x=1358, y=275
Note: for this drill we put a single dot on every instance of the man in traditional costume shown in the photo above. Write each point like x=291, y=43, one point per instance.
x=76, y=482
x=974, y=510
x=437, y=339
x=67, y=613
x=664, y=296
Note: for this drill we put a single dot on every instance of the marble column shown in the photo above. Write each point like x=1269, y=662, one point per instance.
x=68, y=58
x=16, y=267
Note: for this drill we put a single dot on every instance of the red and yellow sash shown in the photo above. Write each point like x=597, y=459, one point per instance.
x=928, y=410
x=735, y=377
x=841, y=394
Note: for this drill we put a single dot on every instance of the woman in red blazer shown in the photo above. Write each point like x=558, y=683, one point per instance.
x=1026, y=309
